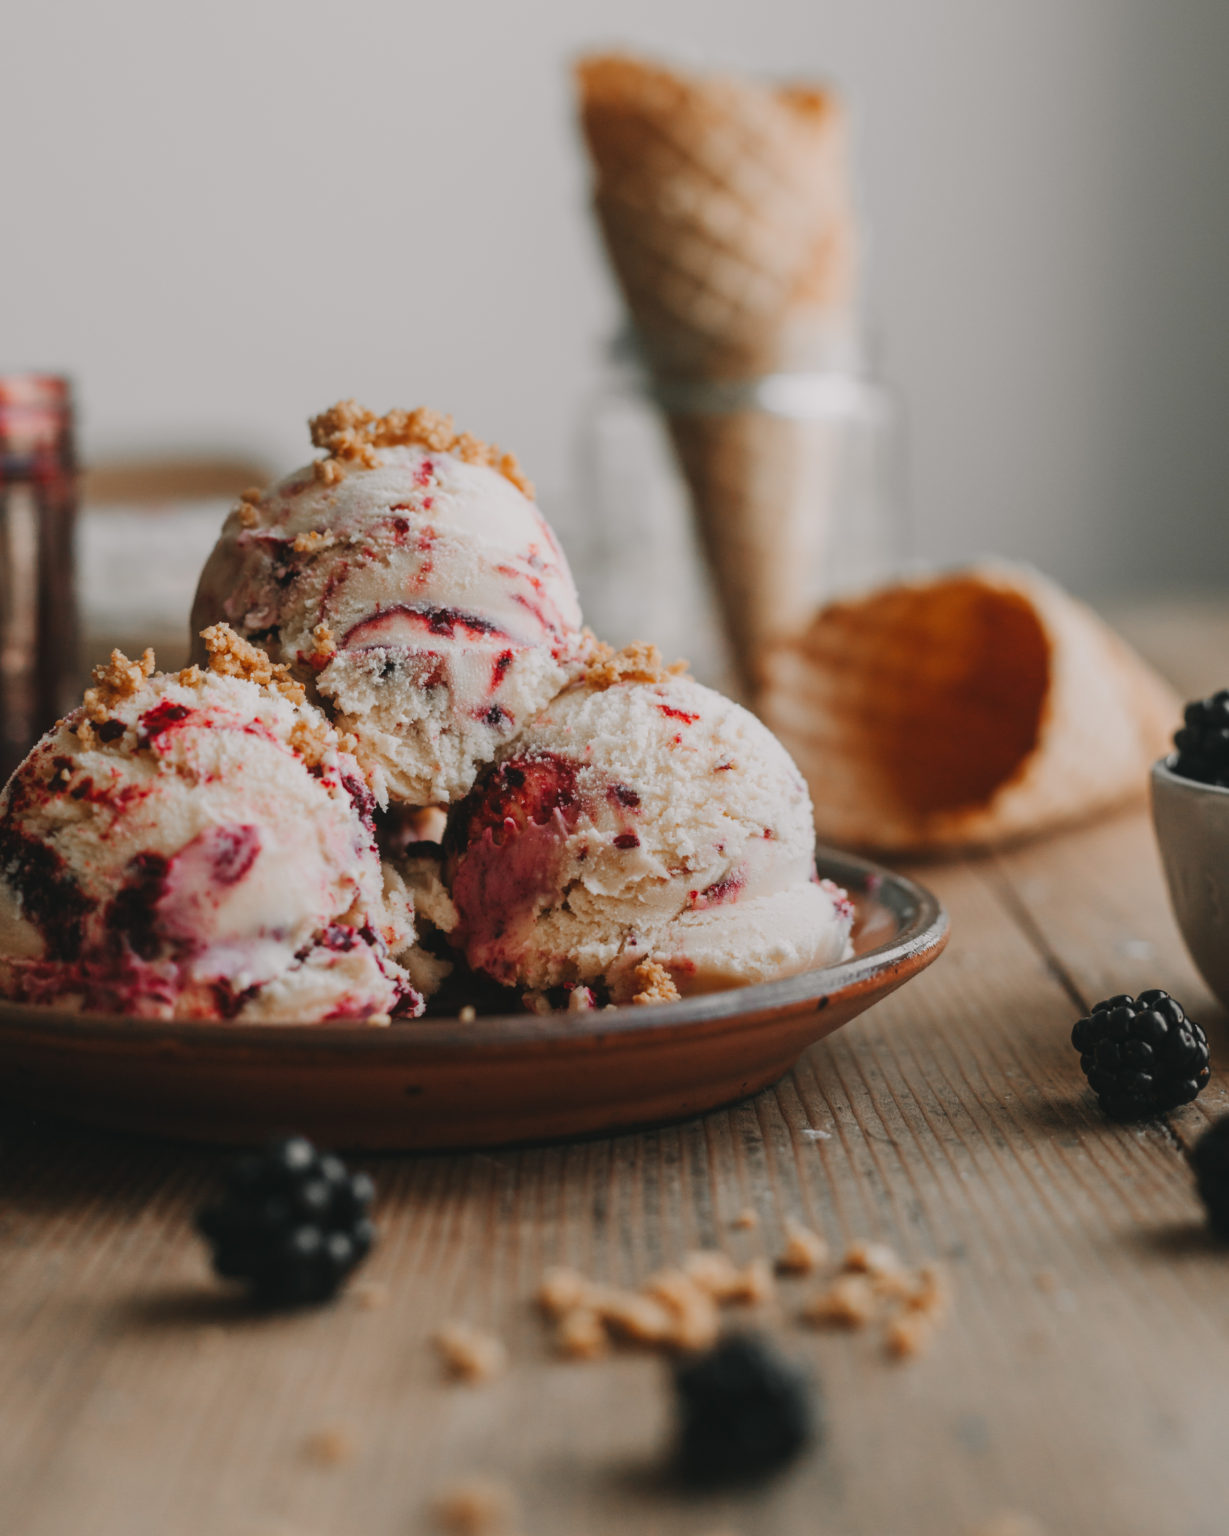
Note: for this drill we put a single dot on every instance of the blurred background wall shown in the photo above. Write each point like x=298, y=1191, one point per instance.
x=220, y=218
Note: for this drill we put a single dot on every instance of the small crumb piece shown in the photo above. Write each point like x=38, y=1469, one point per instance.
x=654, y=984
x=582, y=1335
x=696, y=1323
x=931, y=1295
x=909, y=1335
x=714, y=1272
x=849, y=1302
x=248, y=515
x=468, y=1014
x=747, y=1219
x=469, y=1354
x=581, y=1000
x=562, y=1289
x=327, y=471
x=230, y=655
x=370, y=1295
x=480, y=1506
x=871, y=1259
x=755, y=1283
x=639, y=1319
x=639, y=662
x=329, y=1447
x=804, y=1251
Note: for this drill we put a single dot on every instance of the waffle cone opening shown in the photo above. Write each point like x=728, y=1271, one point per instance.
x=959, y=695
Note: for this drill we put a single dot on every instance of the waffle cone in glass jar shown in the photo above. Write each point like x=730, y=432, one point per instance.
x=726, y=216
x=760, y=491
x=965, y=709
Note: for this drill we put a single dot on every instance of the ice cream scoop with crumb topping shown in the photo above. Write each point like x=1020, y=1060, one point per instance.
x=646, y=835
x=199, y=845
x=410, y=579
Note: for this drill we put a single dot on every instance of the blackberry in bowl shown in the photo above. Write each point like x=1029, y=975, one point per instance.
x=1202, y=742
x=1190, y=811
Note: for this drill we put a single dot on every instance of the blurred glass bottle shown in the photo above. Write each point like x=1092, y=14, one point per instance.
x=719, y=514
x=38, y=507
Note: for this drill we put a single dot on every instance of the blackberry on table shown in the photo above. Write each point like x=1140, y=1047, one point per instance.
x=1141, y=1055
x=1210, y=1160
x=292, y=1223
x=743, y=1412
x=1203, y=741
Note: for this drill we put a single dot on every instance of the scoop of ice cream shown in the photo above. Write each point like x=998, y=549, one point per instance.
x=645, y=833
x=199, y=845
x=412, y=579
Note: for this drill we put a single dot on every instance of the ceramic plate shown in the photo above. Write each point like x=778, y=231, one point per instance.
x=437, y=1082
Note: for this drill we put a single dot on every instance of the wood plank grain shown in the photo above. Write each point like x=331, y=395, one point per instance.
x=950, y=1122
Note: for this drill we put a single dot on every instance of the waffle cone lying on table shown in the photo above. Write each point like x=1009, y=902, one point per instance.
x=963, y=709
x=725, y=211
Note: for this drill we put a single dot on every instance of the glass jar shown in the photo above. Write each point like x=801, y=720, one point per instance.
x=38, y=610
x=714, y=516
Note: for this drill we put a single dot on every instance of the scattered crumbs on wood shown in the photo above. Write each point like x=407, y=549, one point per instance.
x=332, y=1446
x=469, y=1354
x=562, y=1290
x=747, y=1219
x=479, y=1506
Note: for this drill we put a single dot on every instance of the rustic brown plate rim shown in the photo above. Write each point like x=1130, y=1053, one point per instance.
x=922, y=930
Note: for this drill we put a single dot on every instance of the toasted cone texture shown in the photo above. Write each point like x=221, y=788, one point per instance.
x=724, y=209
x=964, y=709
x=760, y=488
x=726, y=216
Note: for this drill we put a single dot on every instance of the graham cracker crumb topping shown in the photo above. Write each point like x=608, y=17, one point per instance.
x=312, y=541
x=351, y=434
x=230, y=655
x=654, y=984
x=639, y=662
x=248, y=515
x=114, y=681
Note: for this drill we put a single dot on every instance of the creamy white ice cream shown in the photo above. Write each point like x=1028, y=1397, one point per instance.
x=199, y=845
x=641, y=818
x=411, y=580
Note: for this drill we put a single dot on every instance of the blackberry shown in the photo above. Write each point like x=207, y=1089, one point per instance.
x=292, y=1223
x=1203, y=741
x=1210, y=1160
x=1141, y=1055
x=743, y=1412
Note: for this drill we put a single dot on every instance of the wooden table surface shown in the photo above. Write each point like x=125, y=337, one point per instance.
x=1080, y=1383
